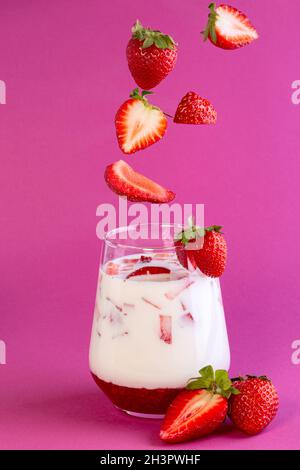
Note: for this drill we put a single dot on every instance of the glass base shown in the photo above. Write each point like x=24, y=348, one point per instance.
x=143, y=415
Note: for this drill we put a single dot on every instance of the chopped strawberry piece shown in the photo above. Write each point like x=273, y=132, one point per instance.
x=193, y=109
x=150, y=303
x=123, y=180
x=149, y=271
x=188, y=316
x=130, y=260
x=114, y=304
x=162, y=256
x=126, y=305
x=112, y=268
x=165, y=328
x=171, y=295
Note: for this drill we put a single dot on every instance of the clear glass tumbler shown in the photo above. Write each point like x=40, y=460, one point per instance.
x=155, y=323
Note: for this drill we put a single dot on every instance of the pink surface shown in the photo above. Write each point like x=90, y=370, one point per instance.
x=66, y=74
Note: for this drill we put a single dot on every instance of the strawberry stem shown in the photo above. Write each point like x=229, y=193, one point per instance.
x=150, y=36
x=218, y=382
x=168, y=115
x=210, y=30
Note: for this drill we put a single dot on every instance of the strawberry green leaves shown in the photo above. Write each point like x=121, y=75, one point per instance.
x=210, y=30
x=217, y=382
x=150, y=37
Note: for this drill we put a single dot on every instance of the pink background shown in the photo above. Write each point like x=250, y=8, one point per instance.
x=66, y=74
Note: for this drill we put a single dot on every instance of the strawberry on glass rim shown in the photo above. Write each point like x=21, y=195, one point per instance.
x=203, y=248
x=151, y=56
x=138, y=123
x=228, y=27
x=200, y=409
x=123, y=180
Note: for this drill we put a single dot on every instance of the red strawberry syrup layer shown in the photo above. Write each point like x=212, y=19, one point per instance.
x=138, y=400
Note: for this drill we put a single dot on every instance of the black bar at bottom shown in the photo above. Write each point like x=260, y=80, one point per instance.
x=142, y=458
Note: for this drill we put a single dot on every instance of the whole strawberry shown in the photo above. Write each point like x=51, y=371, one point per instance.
x=211, y=259
x=256, y=404
x=151, y=56
x=202, y=248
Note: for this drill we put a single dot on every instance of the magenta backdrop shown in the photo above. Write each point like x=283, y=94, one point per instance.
x=66, y=74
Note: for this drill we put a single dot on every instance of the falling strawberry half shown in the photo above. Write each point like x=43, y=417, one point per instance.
x=193, y=109
x=151, y=56
x=203, y=248
x=255, y=406
x=123, y=180
x=200, y=409
x=228, y=27
x=138, y=123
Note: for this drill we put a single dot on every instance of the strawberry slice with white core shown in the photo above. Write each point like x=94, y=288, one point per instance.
x=123, y=180
x=138, y=123
x=200, y=409
x=165, y=322
x=171, y=295
x=151, y=273
x=228, y=27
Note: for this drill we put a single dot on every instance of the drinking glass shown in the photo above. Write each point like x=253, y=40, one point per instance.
x=155, y=322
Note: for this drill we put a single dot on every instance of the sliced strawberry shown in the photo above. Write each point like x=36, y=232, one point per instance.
x=165, y=322
x=171, y=295
x=147, y=301
x=138, y=123
x=112, y=268
x=192, y=414
x=114, y=304
x=193, y=109
x=151, y=273
x=199, y=410
x=228, y=27
x=123, y=180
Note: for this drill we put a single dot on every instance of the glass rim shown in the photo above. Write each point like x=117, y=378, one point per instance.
x=113, y=243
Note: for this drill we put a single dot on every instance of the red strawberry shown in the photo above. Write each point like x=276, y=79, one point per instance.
x=193, y=109
x=211, y=259
x=123, y=180
x=149, y=270
x=256, y=405
x=151, y=56
x=228, y=27
x=165, y=322
x=208, y=253
x=138, y=123
x=200, y=409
